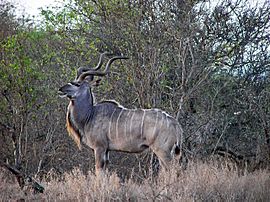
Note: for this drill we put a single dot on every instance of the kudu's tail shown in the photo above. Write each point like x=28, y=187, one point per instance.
x=176, y=149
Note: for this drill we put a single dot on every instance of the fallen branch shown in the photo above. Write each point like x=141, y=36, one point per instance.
x=23, y=179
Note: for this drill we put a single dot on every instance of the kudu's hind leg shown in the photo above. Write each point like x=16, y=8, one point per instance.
x=164, y=158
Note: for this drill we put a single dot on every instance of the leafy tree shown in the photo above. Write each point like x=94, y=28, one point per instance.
x=184, y=56
x=206, y=65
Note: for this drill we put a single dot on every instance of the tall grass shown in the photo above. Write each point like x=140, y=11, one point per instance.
x=199, y=182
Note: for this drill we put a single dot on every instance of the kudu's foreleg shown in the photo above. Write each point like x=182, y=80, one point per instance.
x=101, y=159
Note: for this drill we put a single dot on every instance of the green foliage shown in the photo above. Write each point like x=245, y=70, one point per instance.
x=18, y=67
x=180, y=52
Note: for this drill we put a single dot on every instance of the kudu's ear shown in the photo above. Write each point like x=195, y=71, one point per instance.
x=95, y=82
x=89, y=78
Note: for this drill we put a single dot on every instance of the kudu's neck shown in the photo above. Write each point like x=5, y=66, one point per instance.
x=82, y=109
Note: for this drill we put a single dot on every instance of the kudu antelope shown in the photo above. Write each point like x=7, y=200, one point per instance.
x=107, y=126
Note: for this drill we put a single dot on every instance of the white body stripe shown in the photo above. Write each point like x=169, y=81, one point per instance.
x=126, y=123
x=110, y=124
x=154, y=131
x=117, y=103
x=167, y=120
x=142, y=123
x=161, y=122
x=130, y=126
x=117, y=135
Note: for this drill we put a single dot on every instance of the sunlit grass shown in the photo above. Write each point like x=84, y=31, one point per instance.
x=199, y=182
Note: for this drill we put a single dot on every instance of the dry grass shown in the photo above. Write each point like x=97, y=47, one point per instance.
x=199, y=182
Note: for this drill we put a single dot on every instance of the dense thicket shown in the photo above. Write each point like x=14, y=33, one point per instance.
x=206, y=64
